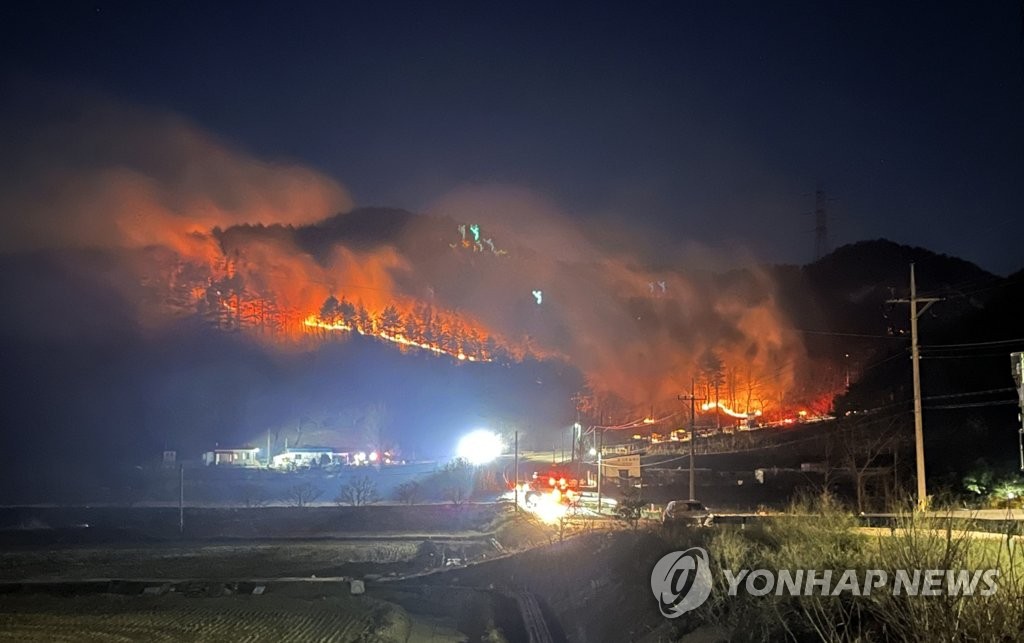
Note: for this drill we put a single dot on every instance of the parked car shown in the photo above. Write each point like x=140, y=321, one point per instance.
x=686, y=512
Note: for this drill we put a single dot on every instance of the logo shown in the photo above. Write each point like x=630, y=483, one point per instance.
x=681, y=581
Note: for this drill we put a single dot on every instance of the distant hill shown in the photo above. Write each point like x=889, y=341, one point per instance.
x=847, y=289
x=90, y=374
x=970, y=410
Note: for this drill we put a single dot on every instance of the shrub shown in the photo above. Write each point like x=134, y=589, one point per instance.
x=630, y=508
x=301, y=495
x=357, y=492
x=409, y=492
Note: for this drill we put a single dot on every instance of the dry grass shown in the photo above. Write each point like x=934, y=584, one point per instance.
x=819, y=535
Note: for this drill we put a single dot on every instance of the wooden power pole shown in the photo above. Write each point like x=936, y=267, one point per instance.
x=692, y=399
x=915, y=356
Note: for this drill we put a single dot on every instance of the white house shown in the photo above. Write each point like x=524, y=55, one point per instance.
x=243, y=457
x=305, y=457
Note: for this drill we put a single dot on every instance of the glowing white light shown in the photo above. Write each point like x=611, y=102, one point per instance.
x=360, y=457
x=479, y=447
x=373, y=456
x=593, y=451
x=549, y=508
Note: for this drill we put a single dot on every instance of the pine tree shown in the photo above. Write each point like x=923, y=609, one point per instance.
x=364, y=320
x=329, y=311
x=391, y=321
x=347, y=312
x=472, y=344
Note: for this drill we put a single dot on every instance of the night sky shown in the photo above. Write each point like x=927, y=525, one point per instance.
x=695, y=122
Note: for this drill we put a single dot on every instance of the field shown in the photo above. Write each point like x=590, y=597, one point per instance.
x=218, y=560
x=176, y=618
x=120, y=573
x=36, y=525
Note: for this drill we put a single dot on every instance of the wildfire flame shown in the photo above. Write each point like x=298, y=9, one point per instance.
x=315, y=322
x=707, y=406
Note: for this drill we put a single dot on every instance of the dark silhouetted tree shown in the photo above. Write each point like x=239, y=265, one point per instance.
x=301, y=495
x=357, y=492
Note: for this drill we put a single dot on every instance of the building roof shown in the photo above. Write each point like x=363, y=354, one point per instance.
x=317, y=449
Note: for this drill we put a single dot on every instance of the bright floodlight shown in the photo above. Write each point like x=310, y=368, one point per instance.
x=479, y=447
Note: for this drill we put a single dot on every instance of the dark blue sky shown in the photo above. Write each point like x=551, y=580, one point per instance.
x=705, y=121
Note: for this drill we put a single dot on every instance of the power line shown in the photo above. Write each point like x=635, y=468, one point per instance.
x=886, y=406
x=998, y=342
x=902, y=353
x=974, y=356
x=977, y=287
x=773, y=444
x=637, y=423
x=972, y=405
x=843, y=334
x=971, y=393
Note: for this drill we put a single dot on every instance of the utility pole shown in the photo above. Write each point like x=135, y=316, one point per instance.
x=692, y=399
x=516, y=467
x=181, y=500
x=915, y=356
x=577, y=432
x=576, y=450
x=600, y=452
x=718, y=415
x=1017, y=364
x=572, y=447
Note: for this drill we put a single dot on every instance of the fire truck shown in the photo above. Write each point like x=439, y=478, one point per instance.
x=553, y=485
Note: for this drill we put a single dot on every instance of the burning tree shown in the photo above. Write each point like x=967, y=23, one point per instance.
x=391, y=321
x=364, y=321
x=329, y=311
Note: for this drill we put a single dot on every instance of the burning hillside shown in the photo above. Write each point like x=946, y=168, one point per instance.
x=493, y=275
x=637, y=336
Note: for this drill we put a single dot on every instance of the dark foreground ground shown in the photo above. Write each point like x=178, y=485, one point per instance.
x=431, y=574
x=33, y=526
x=261, y=574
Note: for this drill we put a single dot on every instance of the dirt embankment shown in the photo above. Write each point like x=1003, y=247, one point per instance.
x=593, y=588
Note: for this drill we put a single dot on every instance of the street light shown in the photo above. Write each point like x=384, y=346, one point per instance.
x=479, y=447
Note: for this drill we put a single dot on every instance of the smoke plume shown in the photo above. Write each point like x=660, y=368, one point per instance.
x=492, y=270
